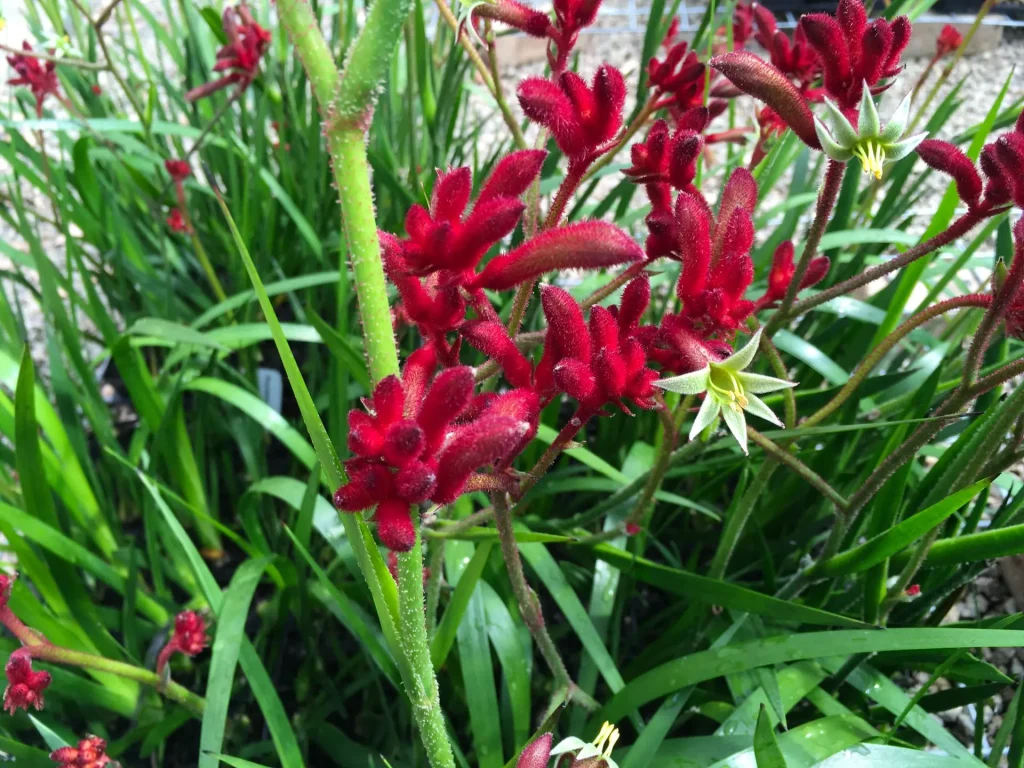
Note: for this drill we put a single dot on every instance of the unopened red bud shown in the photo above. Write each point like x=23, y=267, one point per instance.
x=513, y=174
x=415, y=482
x=949, y=159
x=536, y=754
x=480, y=442
x=763, y=81
x=491, y=338
x=451, y=194
x=448, y=397
x=394, y=525
x=364, y=437
x=388, y=400
x=403, y=441
x=583, y=245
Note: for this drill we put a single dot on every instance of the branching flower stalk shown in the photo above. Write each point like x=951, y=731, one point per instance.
x=346, y=102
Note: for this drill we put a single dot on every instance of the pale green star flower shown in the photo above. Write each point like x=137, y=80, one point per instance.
x=600, y=747
x=730, y=391
x=869, y=142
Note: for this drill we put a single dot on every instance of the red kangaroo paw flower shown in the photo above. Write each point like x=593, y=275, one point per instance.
x=91, y=752
x=388, y=400
x=694, y=222
x=394, y=525
x=783, y=269
x=247, y=42
x=949, y=40
x=740, y=192
x=39, y=76
x=176, y=221
x=365, y=438
x=949, y=159
x=491, y=338
x=404, y=441
x=449, y=396
x=567, y=333
x=682, y=165
x=25, y=686
x=178, y=169
x=583, y=245
x=489, y=222
x=513, y=174
x=650, y=156
x=635, y=300
x=419, y=367
x=189, y=637
x=480, y=442
x=763, y=81
x=415, y=482
x=369, y=483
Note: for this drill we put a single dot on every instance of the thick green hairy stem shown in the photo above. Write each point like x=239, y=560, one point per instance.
x=346, y=100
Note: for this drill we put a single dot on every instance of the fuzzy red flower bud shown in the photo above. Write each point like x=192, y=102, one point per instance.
x=491, y=338
x=739, y=193
x=91, y=752
x=694, y=221
x=179, y=169
x=189, y=637
x=448, y=397
x=515, y=14
x=480, y=442
x=25, y=686
x=394, y=525
x=536, y=754
x=763, y=81
x=513, y=174
x=949, y=159
x=582, y=245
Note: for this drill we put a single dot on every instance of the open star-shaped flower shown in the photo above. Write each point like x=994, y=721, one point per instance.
x=596, y=754
x=869, y=142
x=730, y=391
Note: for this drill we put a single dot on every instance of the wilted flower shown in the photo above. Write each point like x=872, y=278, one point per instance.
x=91, y=752
x=189, y=637
x=240, y=58
x=871, y=143
x=40, y=77
x=729, y=391
x=25, y=686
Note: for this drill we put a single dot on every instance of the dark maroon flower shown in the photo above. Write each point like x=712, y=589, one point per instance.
x=91, y=752
x=949, y=40
x=582, y=119
x=854, y=51
x=240, y=58
x=39, y=76
x=25, y=686
x=189, y=637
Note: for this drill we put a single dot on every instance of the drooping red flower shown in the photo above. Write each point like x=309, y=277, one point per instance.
x=39, y=76
x=854, y=51
x=91, y=752
x=178, y=169
x=409, y=448
x=600, y=363
x=25, y=686
x=949, y=40
x=582, y=119
x=240, y=58
x=189, y=637
x=176, y=221
x=783, y=269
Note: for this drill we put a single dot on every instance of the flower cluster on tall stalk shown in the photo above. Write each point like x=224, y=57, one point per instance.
x=39, y=76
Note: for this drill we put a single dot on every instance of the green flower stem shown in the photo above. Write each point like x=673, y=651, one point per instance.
x=489, y=75
x=785, y=457
x=670, y=436
x=347, y=102
x=526, y=598
x=433, y=588
x=779, y=369
x=983, y=336
x=875, y=356
x=42, y=649
x=834, y=173
x=957, y=229
x=559, y=444
x=737, y=520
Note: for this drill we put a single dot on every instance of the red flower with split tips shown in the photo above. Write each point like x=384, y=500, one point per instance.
x=25, y=686
x=39, y=76
x=409, y=447
x=240, y=58
x=189, y=637
x=783, y=269
x=949, y=40
x=91, y=752
x=582, y=119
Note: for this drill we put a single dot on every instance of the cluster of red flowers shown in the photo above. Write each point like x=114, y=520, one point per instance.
x=189, y=637
x=91, y=752
x=25, y=686
x=240, y=57
x=39, y=76
x=571, y=18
